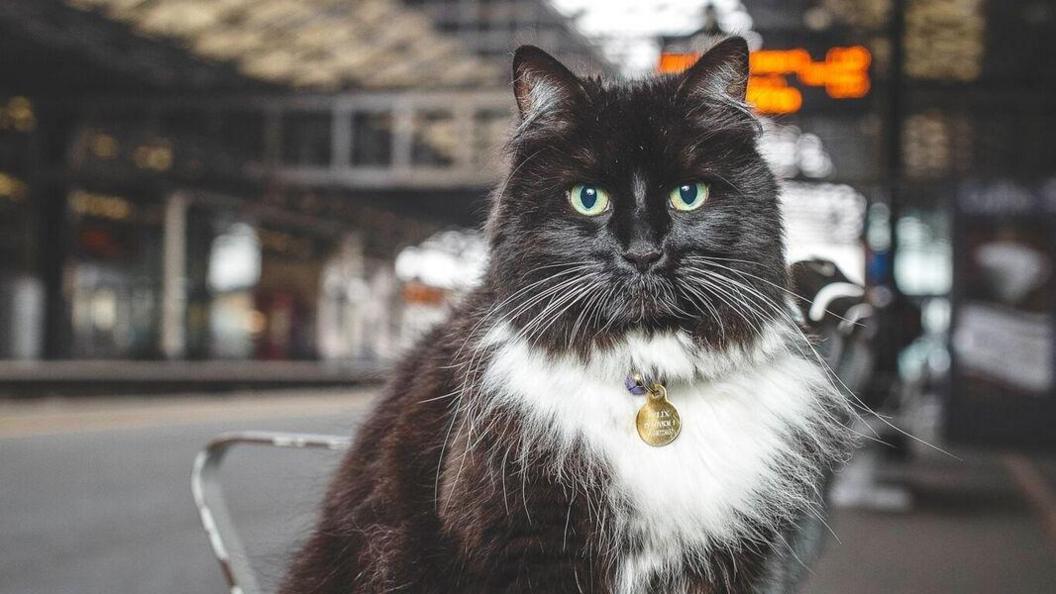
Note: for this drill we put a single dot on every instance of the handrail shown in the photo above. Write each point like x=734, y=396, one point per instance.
x=212, y=509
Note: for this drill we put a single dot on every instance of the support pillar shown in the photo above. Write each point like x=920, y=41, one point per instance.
x=174, y=278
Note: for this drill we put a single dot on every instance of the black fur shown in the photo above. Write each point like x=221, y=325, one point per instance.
x=395, y=519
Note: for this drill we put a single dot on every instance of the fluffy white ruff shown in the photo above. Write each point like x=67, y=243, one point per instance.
x=739, y=462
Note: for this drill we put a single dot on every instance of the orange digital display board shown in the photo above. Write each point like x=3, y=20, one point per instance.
x=844, y=74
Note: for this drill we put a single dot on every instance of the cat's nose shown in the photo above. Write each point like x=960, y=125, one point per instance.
x=643, y=257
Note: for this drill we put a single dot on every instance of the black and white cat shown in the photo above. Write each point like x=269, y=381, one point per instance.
x=638, y=231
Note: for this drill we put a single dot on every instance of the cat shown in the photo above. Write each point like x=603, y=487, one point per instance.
x=637, y=232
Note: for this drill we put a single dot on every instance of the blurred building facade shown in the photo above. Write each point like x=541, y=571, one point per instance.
x=195, y=179
x=233, y=180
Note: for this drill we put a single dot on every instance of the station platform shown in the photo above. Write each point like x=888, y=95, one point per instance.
x=980, y=521
x=100, y=478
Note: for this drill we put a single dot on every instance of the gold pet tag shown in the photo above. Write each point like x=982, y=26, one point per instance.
x=658, y=421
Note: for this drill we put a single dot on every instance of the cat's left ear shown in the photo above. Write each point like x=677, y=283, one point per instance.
x=542, y=85
x=723, y=69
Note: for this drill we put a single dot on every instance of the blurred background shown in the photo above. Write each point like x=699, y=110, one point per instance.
x=235, y=214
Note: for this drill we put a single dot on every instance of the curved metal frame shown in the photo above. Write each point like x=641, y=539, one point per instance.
x=212, y=509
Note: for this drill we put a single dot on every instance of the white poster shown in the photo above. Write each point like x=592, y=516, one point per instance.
x=1012, y=346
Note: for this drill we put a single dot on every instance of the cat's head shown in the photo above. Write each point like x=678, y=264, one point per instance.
x=636, y=205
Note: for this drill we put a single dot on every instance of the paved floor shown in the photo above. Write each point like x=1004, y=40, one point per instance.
x=94, y=498
x=971, y=530
x=107, y=508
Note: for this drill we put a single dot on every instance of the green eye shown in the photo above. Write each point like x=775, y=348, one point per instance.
x=689, y=196
x=588, y=200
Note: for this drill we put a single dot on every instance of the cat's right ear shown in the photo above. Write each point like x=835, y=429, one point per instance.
x=542, y=85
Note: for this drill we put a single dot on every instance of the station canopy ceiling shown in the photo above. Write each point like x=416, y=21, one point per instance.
x=317, y=44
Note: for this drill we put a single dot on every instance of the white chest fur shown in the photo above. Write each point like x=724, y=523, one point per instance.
x=723, y=473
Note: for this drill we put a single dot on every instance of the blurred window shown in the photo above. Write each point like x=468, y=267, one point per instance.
x=186, y=123
x=489, y=131
x=114, y=276
x=17, y=247
x=924, y=265
x=824, y=220
x=17, y=121
x=243, y=133
x=371, y=138
x=234, y=262
x=306, y=138
x=435, y=138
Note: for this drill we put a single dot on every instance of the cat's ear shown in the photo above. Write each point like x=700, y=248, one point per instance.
x=541, y=84
x=723, y=69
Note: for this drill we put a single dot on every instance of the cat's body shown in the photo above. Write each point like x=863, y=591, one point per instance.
x=505, y=457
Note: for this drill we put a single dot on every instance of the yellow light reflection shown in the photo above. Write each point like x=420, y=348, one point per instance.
x=12, y=188
x=17, y=114
x=104, y=146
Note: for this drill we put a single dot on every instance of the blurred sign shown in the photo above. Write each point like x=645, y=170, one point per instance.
x=1011, y=347
x=100, y=205
x=1006, y=197
x=843, y=74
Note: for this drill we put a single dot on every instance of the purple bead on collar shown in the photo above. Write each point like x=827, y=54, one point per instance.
x=635, y=384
